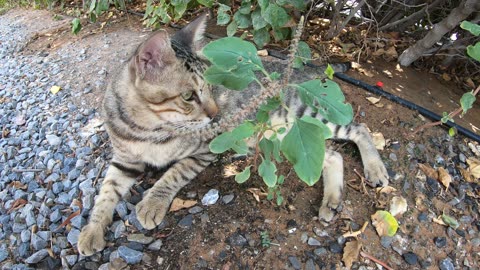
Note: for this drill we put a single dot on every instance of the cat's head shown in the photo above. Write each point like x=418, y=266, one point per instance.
x=167, y=75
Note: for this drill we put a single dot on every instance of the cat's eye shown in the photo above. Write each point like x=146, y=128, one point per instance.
x=188, y=96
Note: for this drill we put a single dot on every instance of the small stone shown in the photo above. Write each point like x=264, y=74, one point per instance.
x=393, y=157
x=195, y=210
x=129, y=255
x=186, y=222
x=294, y=262
x=117, y=263
x=440, y=241
x=422, y=217
x=3, y=254
x=304, y=238
x=335, y=248
x=310, y=265
x=320, y=233
x=446, y=264
x=140, y=238
x=53, y=140
x=211, y=197
x=72, y=236
x=386, y=241
x=320, y=251
x=71, y=259
x=313, y=242
x=237, y=240
x=228, y=198
x=37, y=256
x=410, y=257
x=38, y=242
x=155, y=246
x=291, y=223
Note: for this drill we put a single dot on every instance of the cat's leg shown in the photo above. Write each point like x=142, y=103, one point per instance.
x=152, y=208
x=119, y=179
x=373, y=167
x=332, y=184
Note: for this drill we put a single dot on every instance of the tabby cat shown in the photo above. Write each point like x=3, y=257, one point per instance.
x=160, y=90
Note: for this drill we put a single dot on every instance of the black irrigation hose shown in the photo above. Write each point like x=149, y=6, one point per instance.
x=378, y=91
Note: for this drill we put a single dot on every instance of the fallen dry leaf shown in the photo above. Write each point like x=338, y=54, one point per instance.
x=350, y=252
x=54, y=89
x=384, y=223
x=439, y=221
x=67, y=221
x=17, y=204
x=262, y=53
x=387, y=189
x=444, y=177
x=378, y=140
x=474, y=167
x=18, y=185
x=373, y=100
x=398, y=206
x=257, y=193
x=179, y=204
x=391, y=54
x=446, y=77
x=466, y=175
x=428, y=170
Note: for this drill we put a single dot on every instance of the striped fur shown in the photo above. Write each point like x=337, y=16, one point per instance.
x=160, y=91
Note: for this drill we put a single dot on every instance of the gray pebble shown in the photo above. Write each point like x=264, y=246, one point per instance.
x=386, y=241
x=228, y=198
x=38, y=242
x=155, y=246
x=294, y=262
x=3, y=254
x=313, y=242
x=186, y=222
x=37, y=256
x=446, y=264
x=310, y=265
x=72, y=236
x=320, y=251
x=140, y=238
x=53, y=140
x=129, y=255
x=195, y=210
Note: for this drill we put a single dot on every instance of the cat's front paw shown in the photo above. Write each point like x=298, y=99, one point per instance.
x=91, y=240
x=376, y=174
x=151, y=211
x=329, y=206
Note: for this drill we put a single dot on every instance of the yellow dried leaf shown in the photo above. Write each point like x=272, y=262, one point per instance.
x=470, y=82
x=387, y=189
x=18, y=185
x=428, y=170
x=384, y=223
x=391, y=54
x=379, y=105
x=446, y=77
x=466, y=175
x=350, y=253
x=474, y=167
x=373, y=100
x=262, y=53
x=444, y=177
x=439, y=221
x=257, y=193
x=54, y=89
x=398, y=206
x=378, y=140
x=179, y=204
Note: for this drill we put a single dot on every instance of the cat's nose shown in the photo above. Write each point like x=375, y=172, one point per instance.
x=211, y=110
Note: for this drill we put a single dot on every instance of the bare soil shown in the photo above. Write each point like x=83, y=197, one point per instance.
x=206, y=244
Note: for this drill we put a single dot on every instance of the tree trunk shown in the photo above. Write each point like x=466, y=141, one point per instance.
x=453, y=19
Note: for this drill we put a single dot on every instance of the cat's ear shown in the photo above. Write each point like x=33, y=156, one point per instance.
x=192, y=32
x=153, y=56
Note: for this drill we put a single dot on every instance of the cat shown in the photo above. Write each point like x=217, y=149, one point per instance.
x=160, y=90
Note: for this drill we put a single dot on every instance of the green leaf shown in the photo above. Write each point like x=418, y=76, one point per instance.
x=222, y=143
x=243, y=176
x=222, y=16
x=148, y=10
x=240, y=147
x=327, y=133
x=207, y=3
x=257, y=19
x=330, y=99
x=467, y=101
x=261, y=37
x=76, y=26
x=452, y=131
x=276, y=149
x=263, y=4
x=303, y=55
x=450, y=221
x=445, y=118
x=267, y=170
x=242, y=20
x=232, y=29
x=276, y=16
x=180, y=8
x=275, y=76
x=471, y=27
x=281, y=179
x=304, y=147
x=384, y=223
x=279, y=199
x=281, y=33
x=243, y=131
x=329, y=71
x=267, y=147
x=474, y=51
x=245, y=7
x=233, y=53
x=93, y=4
x=231, y=79
x=264, y=110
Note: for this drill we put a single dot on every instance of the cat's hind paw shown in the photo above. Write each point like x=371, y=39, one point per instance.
x=91, y=240
x=151, y=211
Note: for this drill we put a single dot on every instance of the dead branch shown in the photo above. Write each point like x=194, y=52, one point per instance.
x=412, y=18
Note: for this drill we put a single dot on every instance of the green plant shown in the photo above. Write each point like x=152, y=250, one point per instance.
x=165, y=11
x=467, y=100
x=265, y=239
x=235, y=65
x=98, y=7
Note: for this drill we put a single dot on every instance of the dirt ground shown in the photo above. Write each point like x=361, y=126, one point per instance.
x=208, y=244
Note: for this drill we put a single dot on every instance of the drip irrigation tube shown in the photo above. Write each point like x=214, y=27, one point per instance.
x=378, y=91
